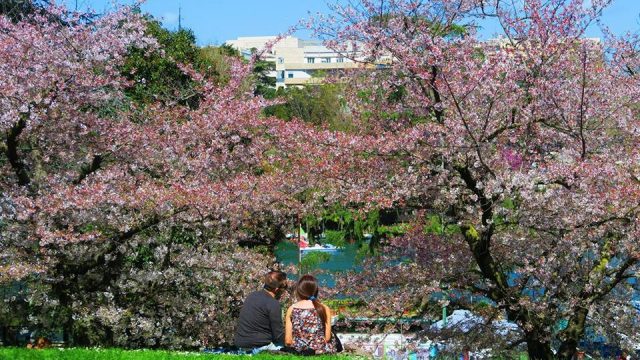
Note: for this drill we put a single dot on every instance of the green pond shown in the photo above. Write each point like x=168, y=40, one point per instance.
x=340, y=261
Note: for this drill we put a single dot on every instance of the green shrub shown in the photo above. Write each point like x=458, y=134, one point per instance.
x=335, y=237
x=311, y=261
x=389, y=231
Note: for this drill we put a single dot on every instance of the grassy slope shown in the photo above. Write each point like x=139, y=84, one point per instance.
x=118, y=354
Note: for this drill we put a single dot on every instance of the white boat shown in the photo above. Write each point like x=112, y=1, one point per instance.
x=318, y=247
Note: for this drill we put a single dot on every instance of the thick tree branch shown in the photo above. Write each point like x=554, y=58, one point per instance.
x=16, y=162
x=583, y=105
x=437, y=110
x=89, y=169
x=618, y=276
x=480, y=242
x=485, y=203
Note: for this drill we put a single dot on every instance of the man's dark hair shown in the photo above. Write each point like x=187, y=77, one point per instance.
x=275, y=279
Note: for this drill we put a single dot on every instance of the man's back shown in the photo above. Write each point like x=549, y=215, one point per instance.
x=260, y=321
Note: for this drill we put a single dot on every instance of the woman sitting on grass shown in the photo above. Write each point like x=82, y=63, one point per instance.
x=308, y=321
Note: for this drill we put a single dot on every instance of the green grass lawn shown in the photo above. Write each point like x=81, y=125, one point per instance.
x=118, y=354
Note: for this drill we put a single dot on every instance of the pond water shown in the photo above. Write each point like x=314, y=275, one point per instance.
x=340, y=261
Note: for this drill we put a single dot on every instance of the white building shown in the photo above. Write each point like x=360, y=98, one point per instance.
x=298, y=62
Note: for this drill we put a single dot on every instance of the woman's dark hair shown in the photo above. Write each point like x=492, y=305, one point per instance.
x=306, y=289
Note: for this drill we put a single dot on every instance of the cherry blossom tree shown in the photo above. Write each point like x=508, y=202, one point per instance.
x=124, y=221
x=524, y=146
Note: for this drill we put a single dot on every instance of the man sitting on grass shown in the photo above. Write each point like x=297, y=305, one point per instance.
x=260, y=322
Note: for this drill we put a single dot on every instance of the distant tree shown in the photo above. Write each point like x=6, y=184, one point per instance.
x=320, y=105
x=156, y=75
x=214, y=62
x=265, y=82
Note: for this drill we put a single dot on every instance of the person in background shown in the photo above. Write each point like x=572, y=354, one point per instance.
x=41, y=343
x=308, y=321
x=260, y=321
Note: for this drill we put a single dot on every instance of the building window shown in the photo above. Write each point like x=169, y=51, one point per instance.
x=340, y=59
x=280, y=60
x=282, y=74
x=311, y=60
x=325, y=60
x=290, y=76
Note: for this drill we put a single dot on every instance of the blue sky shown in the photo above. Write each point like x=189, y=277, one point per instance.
x=215, y=21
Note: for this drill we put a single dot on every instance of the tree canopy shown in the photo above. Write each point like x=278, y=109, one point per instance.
x=523, y=146
x=135, y=167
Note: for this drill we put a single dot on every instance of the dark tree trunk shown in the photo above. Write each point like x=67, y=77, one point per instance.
x=66, y=332
x=538, y=350
x=573, y=333
x=12, y=151
x=568, y=349
x=81, y=336
x=7, y=336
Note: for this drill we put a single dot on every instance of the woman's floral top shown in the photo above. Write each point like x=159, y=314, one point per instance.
x=308, y=332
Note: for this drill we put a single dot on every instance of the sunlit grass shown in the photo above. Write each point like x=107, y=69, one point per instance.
x=119, y=354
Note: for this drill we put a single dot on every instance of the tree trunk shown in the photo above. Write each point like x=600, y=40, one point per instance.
x=538, y=350
x=16, y=162
x=568, y=349
x=573, y=333
x=66, y=332
x=11, y=336
x=60, y=289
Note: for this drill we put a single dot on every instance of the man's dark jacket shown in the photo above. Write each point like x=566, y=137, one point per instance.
x=260, y=321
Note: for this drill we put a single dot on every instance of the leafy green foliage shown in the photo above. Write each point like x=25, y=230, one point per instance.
x=317, y=104
x=213, y=62
x=436, y=226
x=312, y=260
x=349, y=222
x=156, y=76
x=265, y=84
x=346, y=307
x=335, y=237
x=389, y=231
